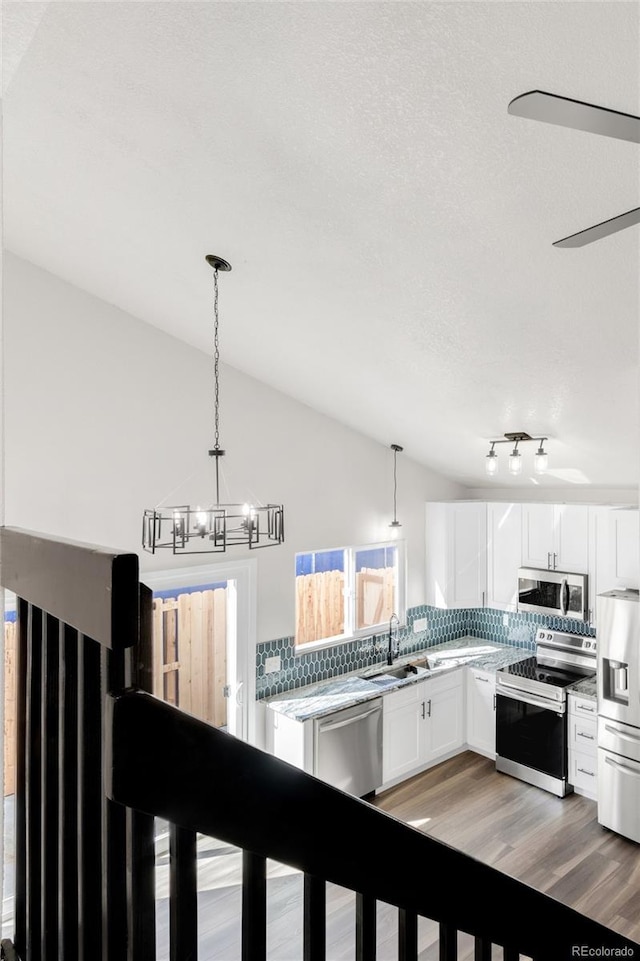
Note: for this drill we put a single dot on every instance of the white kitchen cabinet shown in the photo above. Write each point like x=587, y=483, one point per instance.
x=445, y=714
x=583, y=745
x=404, y=734
x=614, y=552
x=420, y=724
x=504, y=555
x=456, y=561
x=481, y=711
x=556, y=537
x=290, y=740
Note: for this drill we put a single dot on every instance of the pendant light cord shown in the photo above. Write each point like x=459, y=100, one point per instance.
x=395, y=483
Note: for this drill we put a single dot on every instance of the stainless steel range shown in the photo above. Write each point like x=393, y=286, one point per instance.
x=531, y=709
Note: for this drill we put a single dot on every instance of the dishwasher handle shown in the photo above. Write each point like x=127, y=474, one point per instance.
x=334, y=725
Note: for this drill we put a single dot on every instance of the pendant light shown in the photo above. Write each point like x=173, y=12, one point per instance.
x=395, y=523
x=212, y=529
x=491, y=461
x=515, y=461
x=541, y=460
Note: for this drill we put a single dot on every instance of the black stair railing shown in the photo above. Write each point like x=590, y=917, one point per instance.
x=99, y=758
x=165, y=762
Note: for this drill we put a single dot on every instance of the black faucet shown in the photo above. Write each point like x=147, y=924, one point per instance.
x=393, y=635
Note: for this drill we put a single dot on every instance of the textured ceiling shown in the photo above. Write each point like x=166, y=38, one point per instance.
x=388, y=223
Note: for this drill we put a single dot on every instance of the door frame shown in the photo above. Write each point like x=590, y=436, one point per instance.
x=244, y=575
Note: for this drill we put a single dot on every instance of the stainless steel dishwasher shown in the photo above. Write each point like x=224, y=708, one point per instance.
x=348, y=748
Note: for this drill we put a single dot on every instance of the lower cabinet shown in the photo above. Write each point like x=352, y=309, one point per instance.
x=583, y=745
x=481, y=711
x=420, y=723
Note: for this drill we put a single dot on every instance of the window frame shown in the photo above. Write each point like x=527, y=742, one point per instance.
x=351, y=633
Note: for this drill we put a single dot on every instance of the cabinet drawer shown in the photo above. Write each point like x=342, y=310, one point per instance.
x=583, y=772
x=583, y=734
x=583, y=706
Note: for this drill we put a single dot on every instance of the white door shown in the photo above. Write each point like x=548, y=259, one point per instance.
x=204, y=642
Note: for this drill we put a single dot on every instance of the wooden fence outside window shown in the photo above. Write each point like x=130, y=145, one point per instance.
x=320, y=602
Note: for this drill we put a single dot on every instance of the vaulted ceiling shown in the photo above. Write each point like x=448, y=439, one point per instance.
x=389, y=224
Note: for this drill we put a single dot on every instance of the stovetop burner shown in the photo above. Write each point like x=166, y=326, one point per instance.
x=532, y=670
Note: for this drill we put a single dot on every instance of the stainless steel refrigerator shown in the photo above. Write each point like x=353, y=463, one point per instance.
x=618, y=669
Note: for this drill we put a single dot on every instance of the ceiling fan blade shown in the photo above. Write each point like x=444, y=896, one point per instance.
x=601, y=230
x=550, y=108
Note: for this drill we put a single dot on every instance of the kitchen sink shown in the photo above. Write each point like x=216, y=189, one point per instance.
x=398, y=673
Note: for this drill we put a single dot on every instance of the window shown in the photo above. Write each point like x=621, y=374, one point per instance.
x=345, y=592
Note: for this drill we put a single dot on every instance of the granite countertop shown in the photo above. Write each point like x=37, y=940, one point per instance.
x=587, y=687
x=316, y=700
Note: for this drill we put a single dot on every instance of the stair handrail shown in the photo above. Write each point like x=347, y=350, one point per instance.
x=167, y=763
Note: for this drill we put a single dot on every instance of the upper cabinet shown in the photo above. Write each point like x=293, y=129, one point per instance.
x=556, y=537
x=474, y=549
x=614, y=541
x=456, y=559
x=504, y=555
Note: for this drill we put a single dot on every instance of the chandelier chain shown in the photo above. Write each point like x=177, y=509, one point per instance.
x=216, y=363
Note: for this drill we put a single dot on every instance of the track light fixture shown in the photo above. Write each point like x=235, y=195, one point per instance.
x=541, y=460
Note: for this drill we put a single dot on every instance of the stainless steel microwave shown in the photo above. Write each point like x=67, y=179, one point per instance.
x=553, y=592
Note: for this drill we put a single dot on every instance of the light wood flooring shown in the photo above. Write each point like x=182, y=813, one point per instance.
x=552, y=844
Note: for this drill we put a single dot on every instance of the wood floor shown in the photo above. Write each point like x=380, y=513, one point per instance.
x=552, y=844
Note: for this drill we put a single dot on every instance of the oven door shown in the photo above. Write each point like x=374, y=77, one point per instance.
x=553, y=592
x=532, y=732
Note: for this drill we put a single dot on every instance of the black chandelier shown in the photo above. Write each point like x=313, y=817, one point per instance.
x=207, y=530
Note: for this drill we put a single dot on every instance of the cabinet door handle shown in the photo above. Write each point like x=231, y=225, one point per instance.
x=555, y=561
x=423, y=711
x=485, y=680
x=589, y=710
x=589, y=737
x=494, y=702
x=583, y=770
x=548, y=560
x=429, y=711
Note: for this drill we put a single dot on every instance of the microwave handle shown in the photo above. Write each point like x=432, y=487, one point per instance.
x=564, y=600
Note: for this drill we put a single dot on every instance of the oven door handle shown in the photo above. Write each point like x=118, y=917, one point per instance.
x=556, y=706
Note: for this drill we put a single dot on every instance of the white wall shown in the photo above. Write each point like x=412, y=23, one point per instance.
x=105, y=415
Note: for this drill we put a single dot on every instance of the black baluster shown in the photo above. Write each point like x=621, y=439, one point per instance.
x=407, y=935
x=183, y=910
x=315, y=918
x=365, y=927
x=254, y=907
